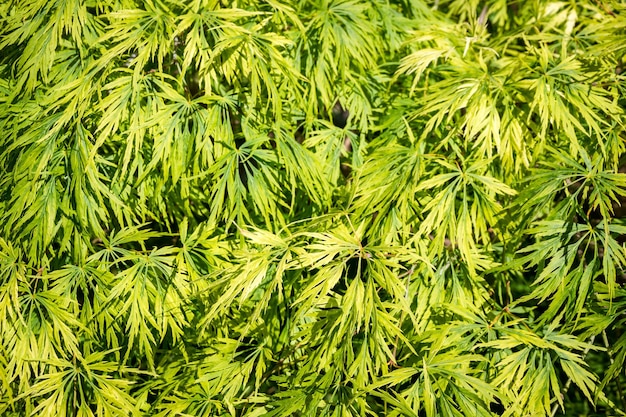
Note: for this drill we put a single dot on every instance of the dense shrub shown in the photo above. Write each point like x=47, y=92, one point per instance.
x=312, y=208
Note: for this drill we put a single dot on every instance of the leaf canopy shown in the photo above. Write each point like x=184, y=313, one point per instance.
x=312, y=208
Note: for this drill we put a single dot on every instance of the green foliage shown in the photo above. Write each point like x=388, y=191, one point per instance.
x=312, y=208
